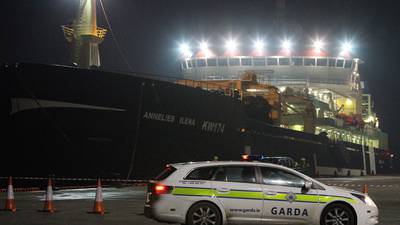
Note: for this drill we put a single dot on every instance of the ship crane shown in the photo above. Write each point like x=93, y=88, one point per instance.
x=84, y=36
x=308, y=113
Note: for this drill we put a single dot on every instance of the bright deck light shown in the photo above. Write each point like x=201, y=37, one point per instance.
x=185, y=50
x=184, y=47
x=286, y=45
x=204, y=46
x=259, y=45
x=231, y=45
x=346, y=46
x=318, y=44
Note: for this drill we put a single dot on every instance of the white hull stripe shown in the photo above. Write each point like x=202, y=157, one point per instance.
x=23, y=104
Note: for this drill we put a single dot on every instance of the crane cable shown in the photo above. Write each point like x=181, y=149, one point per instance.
x=114, y=38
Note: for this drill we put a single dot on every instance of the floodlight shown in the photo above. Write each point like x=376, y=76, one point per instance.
x=346, y=46
x=318, y=44
x=259, y=45
x=231, y=45
x=204, y=46
x=286, y=45
x=184, y=48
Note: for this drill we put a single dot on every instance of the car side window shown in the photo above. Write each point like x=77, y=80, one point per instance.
x=244, y=174
x=203, y=173
x=274, y=176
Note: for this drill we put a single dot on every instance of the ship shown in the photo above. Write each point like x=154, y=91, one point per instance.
x=80, y=120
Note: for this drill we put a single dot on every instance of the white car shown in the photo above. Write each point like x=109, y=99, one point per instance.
x=217, y=192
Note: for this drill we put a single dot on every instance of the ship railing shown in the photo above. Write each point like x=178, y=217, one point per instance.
x=222, y=89
x=101, y=32
x=209, y=85
x=69, y=31
x=280, y=82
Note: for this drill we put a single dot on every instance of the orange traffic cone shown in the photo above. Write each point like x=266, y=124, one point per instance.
x=365, y=189
x=98, y=207
x=10, y=202
x=48, y=204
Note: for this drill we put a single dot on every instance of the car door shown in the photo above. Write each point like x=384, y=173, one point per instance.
x=237, y=190
x=285, y=199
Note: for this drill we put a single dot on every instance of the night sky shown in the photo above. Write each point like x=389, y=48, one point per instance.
x=149, y=32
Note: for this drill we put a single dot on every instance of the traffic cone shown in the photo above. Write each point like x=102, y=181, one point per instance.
x=98, y=207
x=365, y=189
x=48, y=204
x=10, y=202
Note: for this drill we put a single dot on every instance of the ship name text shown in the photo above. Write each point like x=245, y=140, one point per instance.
x=159, y=116
x=213, y=127
x=187, y=121
x=207, y=126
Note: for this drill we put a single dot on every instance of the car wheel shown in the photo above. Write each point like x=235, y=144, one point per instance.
x=204, y=214
x=338, y=214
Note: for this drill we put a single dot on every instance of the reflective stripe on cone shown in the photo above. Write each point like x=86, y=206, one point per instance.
x=48, y=204
x=10, y=202
x=98, y=207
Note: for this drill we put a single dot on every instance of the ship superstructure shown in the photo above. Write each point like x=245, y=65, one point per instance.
x=319, y=94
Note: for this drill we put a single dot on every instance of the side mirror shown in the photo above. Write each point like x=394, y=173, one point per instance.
x=307, y=186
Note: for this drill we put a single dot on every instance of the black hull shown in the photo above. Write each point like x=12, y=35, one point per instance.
x=86, y=123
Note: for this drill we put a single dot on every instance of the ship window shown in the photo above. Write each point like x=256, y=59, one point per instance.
x=222, y=62
x=272, y=61
x=189, y=62
x=259, y=61
x=332, y=62
x=212, y=62
x=309, y=62
x=184, y=65
x=322, y=62
x=339, y=63
x=297, y=61
x=348, y=63
x=234, y=62
x=201, y=62
x=284, y=61
x=246, y=61
x=194, y=63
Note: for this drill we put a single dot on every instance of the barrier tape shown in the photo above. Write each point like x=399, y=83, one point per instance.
x=79, y=179
x=369, y=185
x=31, y=189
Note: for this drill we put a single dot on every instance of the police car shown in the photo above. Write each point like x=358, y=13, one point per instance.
x=217, y=192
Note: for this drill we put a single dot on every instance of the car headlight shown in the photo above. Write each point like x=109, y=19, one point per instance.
x=369, y=201
x=365, y=198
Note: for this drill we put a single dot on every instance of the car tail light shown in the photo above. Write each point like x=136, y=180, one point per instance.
x=160, y=189
x=245, y=157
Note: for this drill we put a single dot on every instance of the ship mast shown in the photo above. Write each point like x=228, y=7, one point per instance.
x=84, y=36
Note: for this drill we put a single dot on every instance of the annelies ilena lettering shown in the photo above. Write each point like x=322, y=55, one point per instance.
x=159, y=117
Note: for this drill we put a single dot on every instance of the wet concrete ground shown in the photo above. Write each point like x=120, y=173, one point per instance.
x=125, y=205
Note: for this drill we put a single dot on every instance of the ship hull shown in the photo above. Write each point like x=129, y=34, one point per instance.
x=74, y=122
